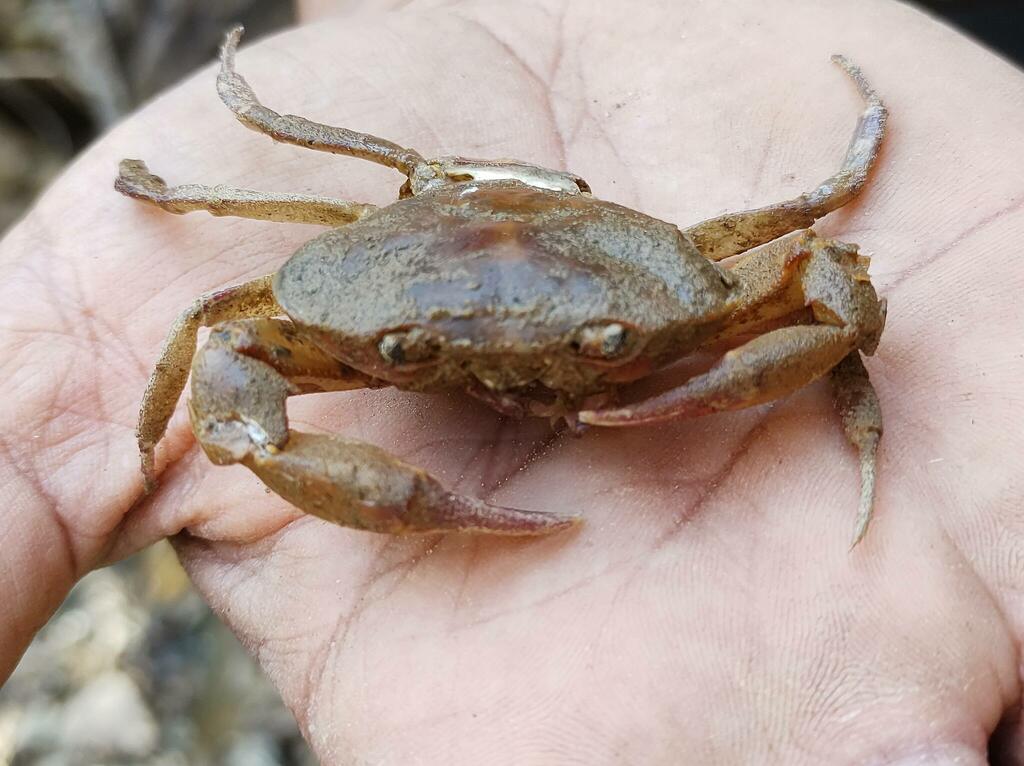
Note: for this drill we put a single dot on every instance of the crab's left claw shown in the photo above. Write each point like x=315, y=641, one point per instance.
x=770, y=367
x=767, y=367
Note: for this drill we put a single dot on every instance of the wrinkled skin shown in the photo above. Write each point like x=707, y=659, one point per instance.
x=709, y=606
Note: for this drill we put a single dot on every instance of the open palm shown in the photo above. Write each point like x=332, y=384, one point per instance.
x=708, y=610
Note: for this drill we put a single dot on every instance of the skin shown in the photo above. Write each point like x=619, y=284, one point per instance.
x=709, y=607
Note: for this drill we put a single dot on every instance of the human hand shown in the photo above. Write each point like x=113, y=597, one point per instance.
x=708, y=609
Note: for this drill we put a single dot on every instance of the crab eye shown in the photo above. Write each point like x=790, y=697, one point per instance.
x=604, y=341
x=405, y=347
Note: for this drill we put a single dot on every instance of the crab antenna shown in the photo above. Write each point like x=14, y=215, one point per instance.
x=239, y=97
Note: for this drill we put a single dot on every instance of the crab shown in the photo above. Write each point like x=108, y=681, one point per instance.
x=512, y=282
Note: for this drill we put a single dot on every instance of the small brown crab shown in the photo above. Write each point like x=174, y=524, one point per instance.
x=512, y=282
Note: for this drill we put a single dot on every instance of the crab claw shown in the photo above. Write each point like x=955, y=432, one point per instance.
x=669, y=406
x=360, y=485
x=467, y=514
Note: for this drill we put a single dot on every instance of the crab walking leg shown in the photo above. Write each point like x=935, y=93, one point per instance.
x=239, y=97
x=136, y=181
x=861, y=414
x=240, y=381
x=249, y=299
x=734, y=233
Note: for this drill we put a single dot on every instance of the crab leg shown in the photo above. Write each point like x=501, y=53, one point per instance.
x=829, y=278
x=861, y=414
x=239, y=97
x=249, y=299
x=240, y=381
x=733, y=233
x=135, y=180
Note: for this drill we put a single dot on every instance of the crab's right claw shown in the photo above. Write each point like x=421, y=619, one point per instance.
x=239, y=389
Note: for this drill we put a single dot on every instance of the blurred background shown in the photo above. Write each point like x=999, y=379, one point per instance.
x=134, y=669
